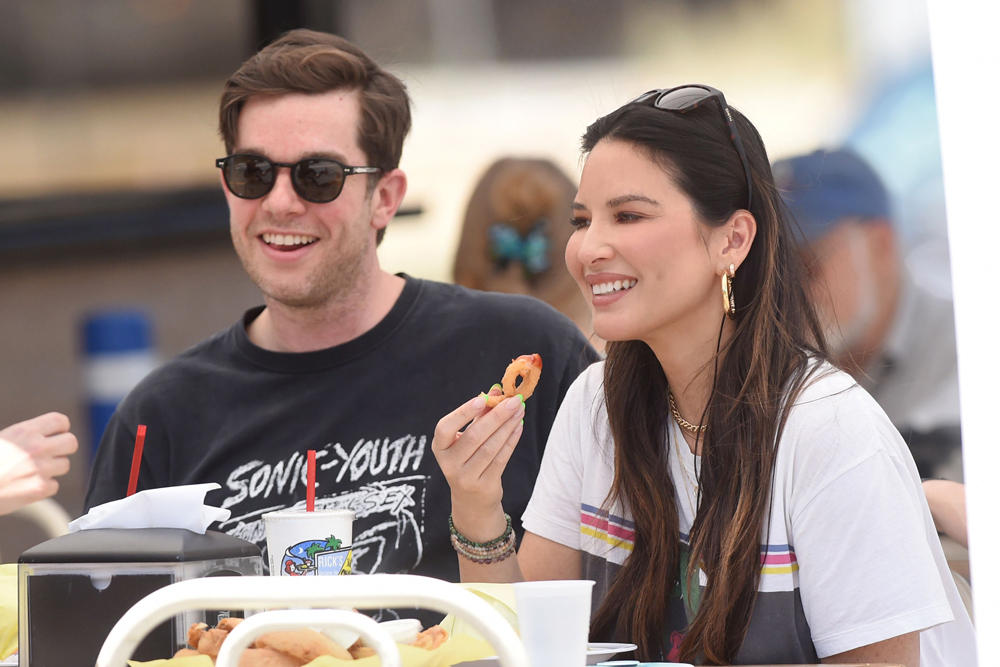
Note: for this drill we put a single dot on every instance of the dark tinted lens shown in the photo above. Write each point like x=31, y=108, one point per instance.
x=249, y=176
x=318, y=181
x=683, y=99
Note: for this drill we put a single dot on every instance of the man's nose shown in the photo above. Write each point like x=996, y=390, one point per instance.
x=283, y=199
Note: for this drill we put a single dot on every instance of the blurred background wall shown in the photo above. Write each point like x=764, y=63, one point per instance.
x=109, y=198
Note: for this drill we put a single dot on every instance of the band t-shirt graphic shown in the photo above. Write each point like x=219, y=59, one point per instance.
x=229, y=412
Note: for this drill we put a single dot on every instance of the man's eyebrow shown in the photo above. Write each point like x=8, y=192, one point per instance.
x=625, y=199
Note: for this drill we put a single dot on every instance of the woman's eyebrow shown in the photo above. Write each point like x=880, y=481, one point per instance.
x=577, y=206
x=625, y=199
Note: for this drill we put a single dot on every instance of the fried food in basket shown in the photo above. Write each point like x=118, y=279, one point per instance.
x=528, y=367
x=211, y=642
x=359, y=650
x=267, y=657
x=431, y=638
x=304, y=644
x=289, y=648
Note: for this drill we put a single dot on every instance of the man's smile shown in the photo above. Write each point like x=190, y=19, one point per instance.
x=287, y=242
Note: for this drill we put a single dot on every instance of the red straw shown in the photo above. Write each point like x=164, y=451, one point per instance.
x=133, y=478
x=311, y=481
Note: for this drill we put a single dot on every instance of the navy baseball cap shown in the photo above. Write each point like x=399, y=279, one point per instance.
x=824, y=188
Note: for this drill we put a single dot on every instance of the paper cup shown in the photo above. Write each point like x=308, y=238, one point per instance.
x=309, y=543
x=554, y=620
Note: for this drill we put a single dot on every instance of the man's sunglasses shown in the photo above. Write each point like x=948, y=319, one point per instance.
x=317, y=180
x=687, y=98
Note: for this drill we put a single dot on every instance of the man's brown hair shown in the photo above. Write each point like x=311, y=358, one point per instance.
x=310, y=62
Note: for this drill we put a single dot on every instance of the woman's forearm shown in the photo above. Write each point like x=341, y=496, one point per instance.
x=483, y=527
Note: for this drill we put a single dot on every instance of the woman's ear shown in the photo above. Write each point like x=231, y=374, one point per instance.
x=737, y=236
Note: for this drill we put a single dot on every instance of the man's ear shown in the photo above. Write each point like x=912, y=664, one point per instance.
x=387, y=197
x=737, y=237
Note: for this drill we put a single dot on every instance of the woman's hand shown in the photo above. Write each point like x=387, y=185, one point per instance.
x=474, y=459
x=31, y=454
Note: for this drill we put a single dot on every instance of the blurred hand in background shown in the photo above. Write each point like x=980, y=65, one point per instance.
x=32, y=454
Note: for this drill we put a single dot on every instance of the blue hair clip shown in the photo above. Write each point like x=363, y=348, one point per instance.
x=530, y=250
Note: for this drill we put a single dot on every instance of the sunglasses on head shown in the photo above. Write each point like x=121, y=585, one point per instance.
x=318, y=179
x=687, y=98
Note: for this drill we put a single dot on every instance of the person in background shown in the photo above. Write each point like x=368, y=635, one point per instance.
x=344, y=357
x=946, y=500
x=514, y=234
x=735, y=497
x=889, y=320
x=32, y=454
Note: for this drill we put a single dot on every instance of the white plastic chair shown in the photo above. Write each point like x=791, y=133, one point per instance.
x=47, y=514
x=244, y=634
x=364, y=592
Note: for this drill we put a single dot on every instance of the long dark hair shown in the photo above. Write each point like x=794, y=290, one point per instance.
x=757, y=374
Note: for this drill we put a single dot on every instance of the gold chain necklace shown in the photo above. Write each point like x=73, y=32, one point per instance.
x=683, y=423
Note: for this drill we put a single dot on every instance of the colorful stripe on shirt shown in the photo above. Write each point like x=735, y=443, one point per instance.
x=779, y=559
x=614, y=530
x=774, y=558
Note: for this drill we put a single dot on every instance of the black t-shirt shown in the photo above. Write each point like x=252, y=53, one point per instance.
x=230, y=412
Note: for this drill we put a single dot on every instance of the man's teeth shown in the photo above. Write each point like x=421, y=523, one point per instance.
x=288, y=239
x=616, y=286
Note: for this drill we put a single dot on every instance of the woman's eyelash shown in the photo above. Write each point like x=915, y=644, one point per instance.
x=579, y=222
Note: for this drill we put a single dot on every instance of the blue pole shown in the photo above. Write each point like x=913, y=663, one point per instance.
x=119, y=353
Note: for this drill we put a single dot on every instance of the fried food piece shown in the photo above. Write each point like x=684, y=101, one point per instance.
x=186, y=653
x=358, y=652
x=211, y=642
x=195, y=632
x=228, y=624
x=267, y=657
x=305, y=644
x=431, y=638
x=528, y=367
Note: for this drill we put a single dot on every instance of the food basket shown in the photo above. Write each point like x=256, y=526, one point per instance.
x=312, y=593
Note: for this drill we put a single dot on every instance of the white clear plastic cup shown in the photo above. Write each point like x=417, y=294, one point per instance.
x=554, y=620
x=301, y=543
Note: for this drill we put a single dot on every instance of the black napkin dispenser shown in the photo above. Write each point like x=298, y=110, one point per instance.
x=74, y=588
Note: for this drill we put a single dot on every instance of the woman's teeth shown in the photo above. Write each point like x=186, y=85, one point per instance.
x=288, y=239
x=616, y=286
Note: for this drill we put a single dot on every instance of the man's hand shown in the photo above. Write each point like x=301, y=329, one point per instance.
x=32, y=453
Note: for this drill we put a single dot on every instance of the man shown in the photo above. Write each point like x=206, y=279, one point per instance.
x=344, y=358
x=32, y=454
x=889, y=319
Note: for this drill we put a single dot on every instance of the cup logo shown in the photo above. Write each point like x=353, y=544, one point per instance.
x=317, y=557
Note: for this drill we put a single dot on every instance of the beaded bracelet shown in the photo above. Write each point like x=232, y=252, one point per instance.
x=464, y=540
x=495, y=554
x=484, y=553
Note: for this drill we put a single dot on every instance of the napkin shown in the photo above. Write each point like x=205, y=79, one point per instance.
x=8, y=610
x=169, y=507
x=499, y=596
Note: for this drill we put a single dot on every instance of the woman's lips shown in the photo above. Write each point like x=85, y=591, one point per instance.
x=609, y=291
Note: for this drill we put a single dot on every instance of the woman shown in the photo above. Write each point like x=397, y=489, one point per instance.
x=514, y=233
x=661, y=479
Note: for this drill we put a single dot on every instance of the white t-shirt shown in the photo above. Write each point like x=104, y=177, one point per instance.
x=852, y=556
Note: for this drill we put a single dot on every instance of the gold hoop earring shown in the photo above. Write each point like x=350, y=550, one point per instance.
x=728, y=298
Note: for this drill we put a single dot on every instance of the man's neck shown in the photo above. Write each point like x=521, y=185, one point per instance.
x=283, y=328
